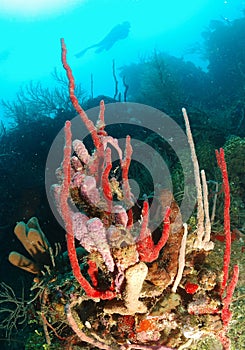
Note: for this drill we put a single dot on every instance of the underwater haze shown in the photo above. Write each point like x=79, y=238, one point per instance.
x=30, y=37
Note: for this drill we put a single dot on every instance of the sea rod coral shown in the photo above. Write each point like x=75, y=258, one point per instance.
x=125, y=289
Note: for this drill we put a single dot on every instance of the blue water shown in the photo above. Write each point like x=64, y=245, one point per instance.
x=30, y=46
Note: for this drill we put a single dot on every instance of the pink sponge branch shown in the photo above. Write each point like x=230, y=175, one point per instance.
x=125, y=169
x=89, y=124
x=226, y=314
x=220, y=155
x=226, y=288
x=101, y=121
x=82, y=336
x=67, y=217
x=105, y=179
x=148, y=251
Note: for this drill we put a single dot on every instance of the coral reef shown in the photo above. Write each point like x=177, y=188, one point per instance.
x=235, y=151
x=122, y=288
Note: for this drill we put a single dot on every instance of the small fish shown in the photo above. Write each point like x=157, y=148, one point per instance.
x=118, y=32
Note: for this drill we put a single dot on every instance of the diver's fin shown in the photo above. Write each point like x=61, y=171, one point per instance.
x=100, y=49
x=81, y=53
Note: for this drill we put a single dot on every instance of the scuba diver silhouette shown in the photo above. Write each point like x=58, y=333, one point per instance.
x=118, y=32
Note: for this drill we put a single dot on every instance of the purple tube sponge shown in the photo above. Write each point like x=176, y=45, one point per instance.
x=79, y=221
x=81, y=151
x=91, y=234
x=120, y=215
x=97, y=234
x=89, y=191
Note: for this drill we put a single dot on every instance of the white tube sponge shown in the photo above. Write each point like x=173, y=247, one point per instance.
x=200, y=212
x=207, y=244
x=181, y=259
x=135, y=276
x=130, y=305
